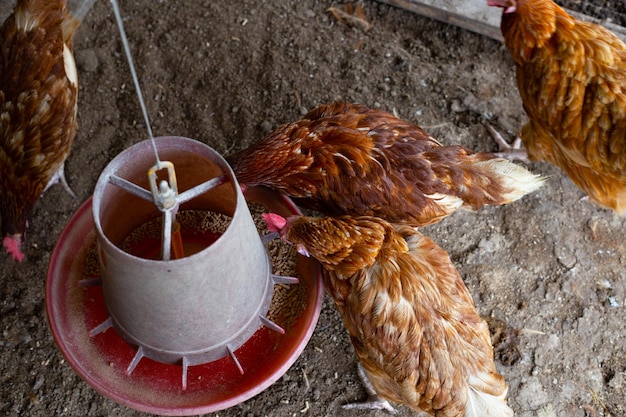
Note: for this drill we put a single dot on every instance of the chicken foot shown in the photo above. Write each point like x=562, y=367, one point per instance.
x=374, y=401
x=510, y=152
x=59, y=177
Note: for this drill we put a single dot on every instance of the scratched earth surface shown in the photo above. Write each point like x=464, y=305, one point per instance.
x=548, y=271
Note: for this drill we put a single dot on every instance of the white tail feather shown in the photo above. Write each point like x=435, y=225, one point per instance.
x=483, y=404
x=513, y=177
x=449, y=202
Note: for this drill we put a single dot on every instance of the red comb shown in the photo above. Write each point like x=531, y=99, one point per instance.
x=275, y=222
x=12, y=246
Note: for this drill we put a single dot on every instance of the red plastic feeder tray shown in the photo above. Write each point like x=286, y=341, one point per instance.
x=148, y=378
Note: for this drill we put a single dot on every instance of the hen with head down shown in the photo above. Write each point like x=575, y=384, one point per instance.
x=38, y=95
x=346, y=158
x=410, y=317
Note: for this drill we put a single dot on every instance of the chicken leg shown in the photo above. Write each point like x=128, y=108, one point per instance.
x=374, y=401
x=510, y=152
x=59, y=177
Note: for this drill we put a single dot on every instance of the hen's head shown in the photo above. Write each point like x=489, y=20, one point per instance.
x=278, y=224
x=509, y=6
x=275, y=222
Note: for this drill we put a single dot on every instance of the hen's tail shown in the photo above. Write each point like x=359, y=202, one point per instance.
x=497, y=181
x=487, y=397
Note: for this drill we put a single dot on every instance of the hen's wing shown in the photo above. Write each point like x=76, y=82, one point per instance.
x=577, y=92
x=376, y=164
x=373, y=164
x=575, y=97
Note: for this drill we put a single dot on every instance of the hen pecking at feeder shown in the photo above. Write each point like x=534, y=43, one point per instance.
x=346, y=158
x=410, y=317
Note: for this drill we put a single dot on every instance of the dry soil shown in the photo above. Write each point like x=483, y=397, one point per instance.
x=548, y=271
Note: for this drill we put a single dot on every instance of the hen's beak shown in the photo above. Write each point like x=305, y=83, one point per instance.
x=508, y=6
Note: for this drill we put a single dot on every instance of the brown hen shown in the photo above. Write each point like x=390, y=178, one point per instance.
x=571, y=77
x=38, y=92
x=346, y=158
x=409, y=315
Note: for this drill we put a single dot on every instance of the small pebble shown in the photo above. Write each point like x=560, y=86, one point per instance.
x=565, y=257
x=39, y=382
x=87, y=60
x=266, y=126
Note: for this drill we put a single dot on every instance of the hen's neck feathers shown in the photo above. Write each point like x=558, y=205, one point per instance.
x=347, y=244
x=533, y=25
x=300, y=156
x=281, y=154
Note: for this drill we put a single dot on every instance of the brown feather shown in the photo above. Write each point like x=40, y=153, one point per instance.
x=572, y=80
x=409, y=315
x=346, y=158
x=37, y=106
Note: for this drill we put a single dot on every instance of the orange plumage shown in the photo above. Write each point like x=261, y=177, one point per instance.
x=38, y=93
x=349, y=159
x=572, y=80
x=410, y=317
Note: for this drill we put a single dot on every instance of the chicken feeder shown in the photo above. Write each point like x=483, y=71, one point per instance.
x=174, y=310
x=187, y=309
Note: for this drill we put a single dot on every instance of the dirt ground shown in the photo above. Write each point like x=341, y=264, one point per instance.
x=549, y=270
